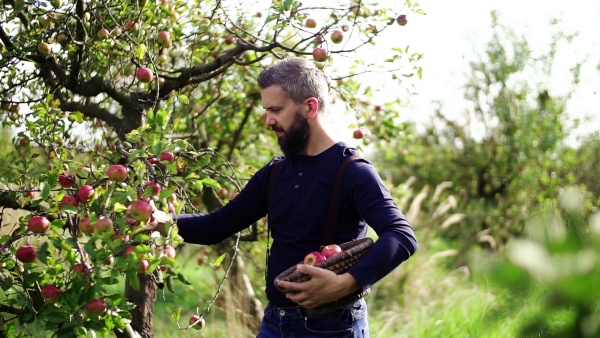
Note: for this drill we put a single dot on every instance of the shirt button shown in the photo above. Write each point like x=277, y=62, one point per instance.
x=282, y=312
x=300, y=174
x=296, y=186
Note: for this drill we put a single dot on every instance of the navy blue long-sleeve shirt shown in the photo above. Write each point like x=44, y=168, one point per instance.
x=299, y=203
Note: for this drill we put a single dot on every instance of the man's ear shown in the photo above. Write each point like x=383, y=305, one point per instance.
x=313, y=107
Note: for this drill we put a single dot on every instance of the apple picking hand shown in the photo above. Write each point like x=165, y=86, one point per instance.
x=156, y=222
x=325, y=286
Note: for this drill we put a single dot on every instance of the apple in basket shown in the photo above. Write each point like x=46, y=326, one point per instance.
x=331, y=250
x=314, y=258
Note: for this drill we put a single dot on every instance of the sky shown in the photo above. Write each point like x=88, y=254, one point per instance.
x=452, y=30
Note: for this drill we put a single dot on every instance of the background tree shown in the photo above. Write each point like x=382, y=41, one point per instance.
x=167, y=90
x=505, y=154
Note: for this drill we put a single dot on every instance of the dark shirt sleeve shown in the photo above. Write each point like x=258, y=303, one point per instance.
x=213, y=228
x=374, y=203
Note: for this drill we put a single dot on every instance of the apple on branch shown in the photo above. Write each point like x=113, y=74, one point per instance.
x=85, y=226
x=117, y=173
x=66, y=179
x=167, y=156
x=69, y=200
x=319, y=54
x=140, y=210
x=26, y=254
x=38, y=224
x=95, y=307
x=50, y=293
x=337, y=36
x=144, y=75
x=86, y=193
x=197, y=322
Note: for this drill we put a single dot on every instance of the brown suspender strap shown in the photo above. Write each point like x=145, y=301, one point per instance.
x=336, y=201
x=336, y=196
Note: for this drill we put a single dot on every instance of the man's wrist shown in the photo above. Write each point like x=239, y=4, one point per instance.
x=348, y=284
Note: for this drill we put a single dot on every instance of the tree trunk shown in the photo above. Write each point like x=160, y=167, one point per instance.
x=142, y=314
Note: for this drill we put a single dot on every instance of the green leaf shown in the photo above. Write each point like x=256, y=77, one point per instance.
x=419, y=11
x=169, y=282
x=140, y=51
x=184, y=99
x=271, y=18
x=162, y=118
x=219, y=260
x=211, y=183
x=150, y=117
x=69, y=209
x=42, y=253
x=118, y=207
x=45, y=190
x=133, y=279
x=182, y=278
x=176, y=314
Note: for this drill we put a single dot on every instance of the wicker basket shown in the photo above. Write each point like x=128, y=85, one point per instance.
x=340, y=263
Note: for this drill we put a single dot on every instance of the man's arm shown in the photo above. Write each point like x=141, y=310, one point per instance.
x=396, y=242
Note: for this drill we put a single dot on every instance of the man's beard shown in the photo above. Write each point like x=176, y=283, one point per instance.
x=296, y=137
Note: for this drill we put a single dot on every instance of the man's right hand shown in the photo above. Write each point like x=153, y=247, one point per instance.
x=157, y=221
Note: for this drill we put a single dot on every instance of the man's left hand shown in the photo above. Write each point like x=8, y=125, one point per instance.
x=324, y=287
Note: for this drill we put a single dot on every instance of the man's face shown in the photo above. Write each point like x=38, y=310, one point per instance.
x=286, y=119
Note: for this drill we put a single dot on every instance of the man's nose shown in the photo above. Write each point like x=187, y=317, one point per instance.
x=270, y=121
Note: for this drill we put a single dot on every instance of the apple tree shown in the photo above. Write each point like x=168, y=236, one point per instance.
x=126, y=106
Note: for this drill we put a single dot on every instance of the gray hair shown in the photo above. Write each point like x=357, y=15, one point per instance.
x=299, y=79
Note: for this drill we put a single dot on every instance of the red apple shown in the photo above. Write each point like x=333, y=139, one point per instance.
x=30, y=195
x=197, y=322
x=229, y=40
x=319, y=54
x=130, y=249
x=170, y=251
x=196, y=201
x=331, y=250
x=24, y=142
x=337, y=36
x=310, y=23
x=104, y=224
x=69, y=200
x=233, y=195
x=144, y=75
x=164, y=39
x=153, y=160
x=85, y=226
x=44, y=48
x=83, y=268
x=401, y=20
x=358, y=134
x=143, y=265
x=50, y=293
x=154, y=187
x=86, y=193
x=345, y=28
x=222, y=193
x=95, y=307
x=140, y=210
x=26, y=254
x=117, y=173
x=167, y=157
x=314, y=258
x=38, y=224
x=132, y=26
x=66, y=179
x=103, y=34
